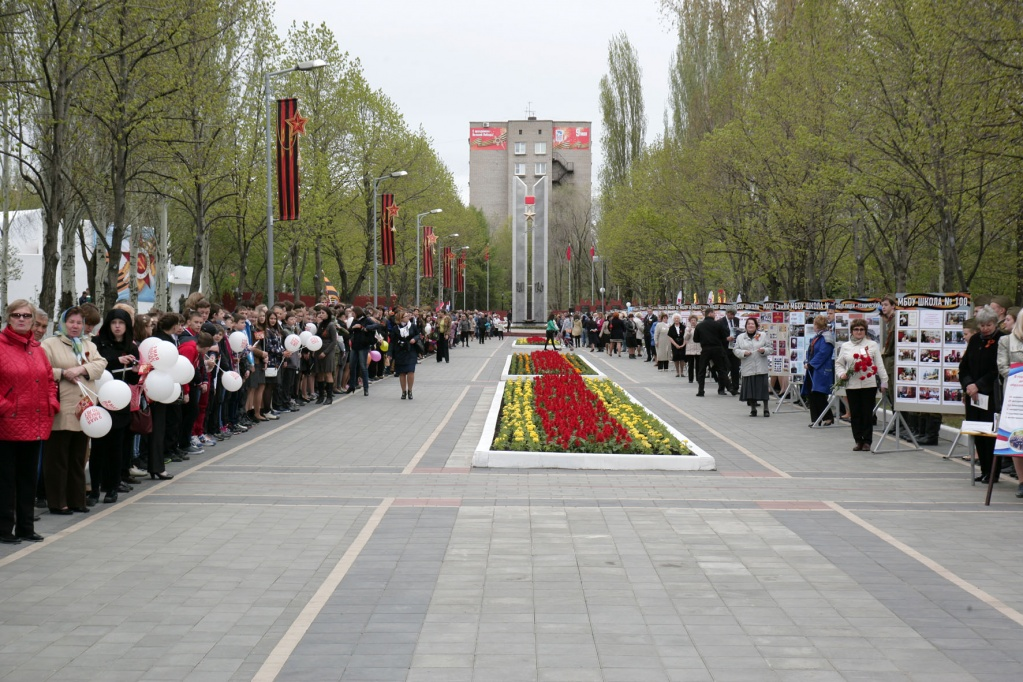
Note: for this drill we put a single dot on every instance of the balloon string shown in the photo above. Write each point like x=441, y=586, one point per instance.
x=86, y=392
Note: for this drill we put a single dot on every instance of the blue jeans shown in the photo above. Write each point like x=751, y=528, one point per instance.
x=360, y=364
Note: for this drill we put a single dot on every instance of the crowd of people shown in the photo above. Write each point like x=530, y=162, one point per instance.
x=47, y=380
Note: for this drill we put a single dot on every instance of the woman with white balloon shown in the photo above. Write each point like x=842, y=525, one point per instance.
x=324, y=348
x=76, y=365
x=28, y=401
x=110, y=457
x=254, y=403
x=166, y=416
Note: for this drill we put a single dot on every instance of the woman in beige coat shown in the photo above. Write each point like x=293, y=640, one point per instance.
x=662, y=343
x=693, y=349
x=74, y=359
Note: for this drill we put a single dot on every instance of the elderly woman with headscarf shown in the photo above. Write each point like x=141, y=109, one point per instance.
x=28, y=401
x=76, y=365
x=111, y=455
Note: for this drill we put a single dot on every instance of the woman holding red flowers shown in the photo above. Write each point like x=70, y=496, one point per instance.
x=860, y=367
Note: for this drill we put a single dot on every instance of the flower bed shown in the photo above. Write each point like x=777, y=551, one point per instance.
x=560, y=413
x=535, y=341
x=567, y=422
x=548, y=362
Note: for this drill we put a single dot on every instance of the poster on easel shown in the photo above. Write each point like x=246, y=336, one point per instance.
x=1009, y=442
x=774, y=323
x=801, y=331
x=848, y=309
x=929, y=344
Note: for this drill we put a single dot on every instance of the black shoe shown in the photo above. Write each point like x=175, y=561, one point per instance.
x=700, y=394
x=130, y=480
x=91, y=500
x=722, y=392
x=1019, y=491
x=767, y=412
x=10, y=540
x=410, y=395
x=80, y=510
x=61, y=512
x=981, y=479
x=122, y=489
x=110, y=498
x=41, y=503
x=753, y=412
x=330, y=398
x=31, y=537
x=404, y=395
x=734, y=392
x=162, y=476
x=365, y=392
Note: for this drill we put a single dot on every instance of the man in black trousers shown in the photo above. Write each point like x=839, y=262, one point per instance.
x=713, y=340
x=731, y=326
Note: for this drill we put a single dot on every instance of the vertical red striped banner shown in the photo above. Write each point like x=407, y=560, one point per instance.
x=447, y=267
x=461, y=272
x=287, y=159
x=428, y=241
x=388, y=211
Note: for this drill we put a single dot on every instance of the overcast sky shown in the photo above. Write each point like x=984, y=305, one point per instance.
x=445, y=63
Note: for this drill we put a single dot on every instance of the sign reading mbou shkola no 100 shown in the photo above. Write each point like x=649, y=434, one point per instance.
x=929, y=345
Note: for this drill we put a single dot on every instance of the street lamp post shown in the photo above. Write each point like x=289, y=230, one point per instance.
x=418, y=251
x=602, y=299
x=465, y=284
x=376, y=228
x=310, y=65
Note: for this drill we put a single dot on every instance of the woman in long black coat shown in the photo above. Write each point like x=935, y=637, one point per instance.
x=111, y=454
x=406, y=342
x=978, y=374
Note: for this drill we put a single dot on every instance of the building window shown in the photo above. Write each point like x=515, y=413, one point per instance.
x=539, y=147
x=540, y=168
x=520, y=169
x=520, y=147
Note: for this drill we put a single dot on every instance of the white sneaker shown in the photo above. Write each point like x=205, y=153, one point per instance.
x=136, y=472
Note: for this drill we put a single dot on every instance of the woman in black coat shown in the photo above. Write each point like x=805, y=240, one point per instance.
x=110, y=458
x=978, y=374
x=406, y=343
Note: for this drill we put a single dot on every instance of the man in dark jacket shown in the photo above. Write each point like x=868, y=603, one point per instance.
x=713, y=340
x=731, y=326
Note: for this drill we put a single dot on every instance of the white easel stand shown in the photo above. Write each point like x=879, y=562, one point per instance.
x=792, y=394
x=969, y=451
x=899, y=422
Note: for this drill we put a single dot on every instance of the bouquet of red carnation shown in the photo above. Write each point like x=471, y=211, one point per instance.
x=862, y=363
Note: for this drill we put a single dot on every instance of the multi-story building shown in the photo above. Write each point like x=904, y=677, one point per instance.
x=520, y=172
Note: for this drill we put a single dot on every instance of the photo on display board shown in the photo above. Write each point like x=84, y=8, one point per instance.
x=841, y=335
x=906, y=392
x=909, y=318
x=954, y=355
x=955, y=338
x=931, y=318
x=932, y=337
x=907, y=374
x=953, y=395
x=909, y=336
x=930, y=375
x=951, y=375
x=928, y=394
x=908, y=355
x=955, y=318
x=932, y=355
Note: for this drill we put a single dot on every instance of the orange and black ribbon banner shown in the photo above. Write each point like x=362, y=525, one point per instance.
x=447, y=267
x=461, y=272
x=388, y=210
x=290, y=125
x=330, y=291
x=428, y=241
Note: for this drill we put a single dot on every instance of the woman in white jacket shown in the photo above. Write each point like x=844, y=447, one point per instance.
x=751, y=349
x=859, y=365
x=1010, y=352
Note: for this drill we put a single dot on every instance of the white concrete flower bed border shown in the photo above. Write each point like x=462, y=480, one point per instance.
x=485, y=457
x=507, y=368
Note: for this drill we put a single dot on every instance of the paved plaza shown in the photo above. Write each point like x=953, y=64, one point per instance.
x=354, y=542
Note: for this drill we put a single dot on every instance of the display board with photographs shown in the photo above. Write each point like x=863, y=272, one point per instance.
x=848, y=309
x=929, y=343
x=789, y=328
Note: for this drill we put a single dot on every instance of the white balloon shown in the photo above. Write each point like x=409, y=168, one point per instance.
x=238, y=341
x=115, y=395
x=95, y=422
x=163, y=356
x=159, y=385
x=104, y=378
x=293, y=342
x=144, y=347
x=174, y=395
x=427, y=329
x=304, y=338
x=183, y=371
x=232, y=381
x=314, y=343
x=310, y=327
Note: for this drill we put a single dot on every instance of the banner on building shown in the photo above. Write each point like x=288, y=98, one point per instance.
x=388, y=212
x=290, y=125
x=461, y=272
x=571, y=138
x=488, y=138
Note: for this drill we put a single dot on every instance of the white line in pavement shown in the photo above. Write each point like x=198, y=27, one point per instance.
x=989, y=599
x=436, y=432
x=286, y=646
x=487, y=361
x=759, y=460
x=95, y=516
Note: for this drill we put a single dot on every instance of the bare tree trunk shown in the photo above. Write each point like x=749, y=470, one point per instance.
x=162, y=297
x=318, y=275
x=5, y=199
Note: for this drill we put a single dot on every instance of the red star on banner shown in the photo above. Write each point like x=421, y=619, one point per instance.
x=393, y=210
x=297, y=123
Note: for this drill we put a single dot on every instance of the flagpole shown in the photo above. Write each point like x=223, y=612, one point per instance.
x=570, y=282
x=488, y=283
